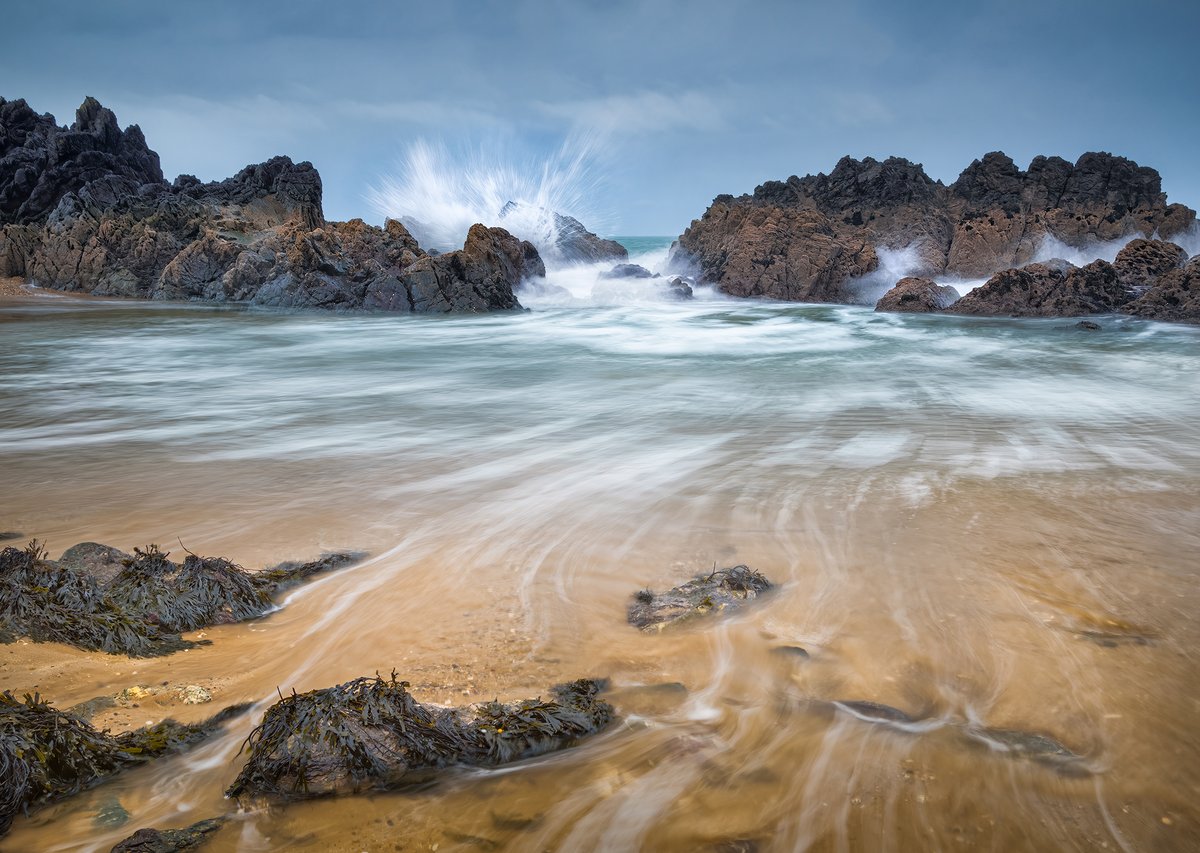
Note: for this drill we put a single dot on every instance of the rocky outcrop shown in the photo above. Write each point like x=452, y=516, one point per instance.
x=918, y=295
x=86, y=210
x=802, y=238
x=1142, y=262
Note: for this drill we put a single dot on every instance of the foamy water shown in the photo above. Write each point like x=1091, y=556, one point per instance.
x=948, y=505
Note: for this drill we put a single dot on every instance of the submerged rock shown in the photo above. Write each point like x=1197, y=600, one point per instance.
x=920, y=295
x=723, y=589
x=47, y=754
x=1031, y=745
x=140, y=609
x=679, y=288
x=371, y=733
x=9, y=534
x=169, y=840
x=874, y=711
x=627, y=271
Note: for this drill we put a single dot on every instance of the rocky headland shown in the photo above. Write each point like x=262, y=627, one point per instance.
x=85, y=208
x=807, y=239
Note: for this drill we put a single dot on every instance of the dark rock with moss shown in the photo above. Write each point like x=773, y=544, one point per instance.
x=370, y=733
x=169, y=840
x=47, y=754
x=1174, y=298
x=716, y=592
x=99, y=599
x=919, y=295
x=85, y=209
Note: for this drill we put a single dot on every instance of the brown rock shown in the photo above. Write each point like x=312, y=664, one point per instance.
x=1174, y=298
x=917, y=295
x=1051, y=289
x=1140, y=264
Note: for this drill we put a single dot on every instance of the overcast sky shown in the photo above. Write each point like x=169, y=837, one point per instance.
x=686, y=99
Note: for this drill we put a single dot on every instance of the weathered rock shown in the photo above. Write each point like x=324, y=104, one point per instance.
x=751, y=249
x=169, y=840
x=104, y=222
x=919, y=295
x=994, y=217
x=371, y=733
x=1051, y=289
x=723, y=589
x=1142, y=262
x=1174, y=298
x=47, y=754
x=140, y=608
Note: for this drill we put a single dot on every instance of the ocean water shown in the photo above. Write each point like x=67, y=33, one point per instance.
x=986, y=523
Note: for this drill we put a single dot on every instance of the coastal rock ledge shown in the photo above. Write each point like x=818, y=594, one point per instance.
x=804, y=239
x=86, y=209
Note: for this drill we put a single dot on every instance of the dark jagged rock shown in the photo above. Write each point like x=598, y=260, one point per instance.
x=169, y=840
x=802, y=238
x=723, y=589
x=47, y=754
x=103, y=221
x=1141, y=263
x=1087, y=326
x=919, y=295
x=371, y=733
x=679, y=288
x=627, y=271
x=565, y=237
x=1051, y=289
x=97, y=598
x=41, y=163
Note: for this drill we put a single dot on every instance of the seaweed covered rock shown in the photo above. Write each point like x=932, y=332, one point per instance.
x=371, y=733
x=1055, y=288
x=723, y=589
x=169, y=840
x=47, y=754
x=99, y=599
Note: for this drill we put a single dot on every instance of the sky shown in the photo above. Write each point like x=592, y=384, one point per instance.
x=676, y=101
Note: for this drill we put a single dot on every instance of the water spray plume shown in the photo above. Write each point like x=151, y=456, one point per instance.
x=439, y=194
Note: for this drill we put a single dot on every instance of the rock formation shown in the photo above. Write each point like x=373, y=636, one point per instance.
x=917, y=295
x=802, y=238
x=565, y=237
x=86, y=209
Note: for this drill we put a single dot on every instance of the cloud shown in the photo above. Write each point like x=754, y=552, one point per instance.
x=641, y=112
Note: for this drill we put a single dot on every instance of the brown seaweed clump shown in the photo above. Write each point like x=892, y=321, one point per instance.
x=722, y=589
x=98, y=599
x=371, y=733
x=47, y=754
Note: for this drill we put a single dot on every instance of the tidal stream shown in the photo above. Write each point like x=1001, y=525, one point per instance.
x=979, y=522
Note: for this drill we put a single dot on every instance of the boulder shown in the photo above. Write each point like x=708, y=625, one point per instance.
x=678, y=288
x=1174, y=298
x=1142, y=262
x=919, y=295
x=627, y=271
x=169, y=840
x=1052, y=289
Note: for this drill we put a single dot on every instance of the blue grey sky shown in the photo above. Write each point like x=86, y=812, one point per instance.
x=685, y=99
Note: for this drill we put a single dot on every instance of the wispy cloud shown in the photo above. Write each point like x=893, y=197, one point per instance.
x=641, y=112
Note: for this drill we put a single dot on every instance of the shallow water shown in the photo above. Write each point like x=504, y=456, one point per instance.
x=980, y=522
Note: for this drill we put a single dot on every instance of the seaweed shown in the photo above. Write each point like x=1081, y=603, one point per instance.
x=372, y=733
x=47, y=754
x=169, y=840
x=142, y=608
x=720, y=590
